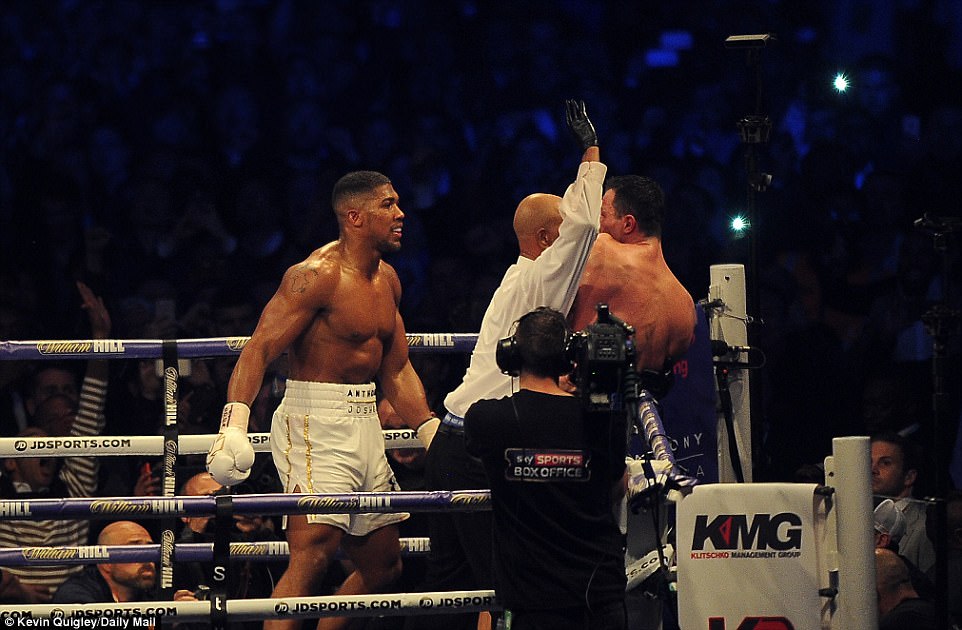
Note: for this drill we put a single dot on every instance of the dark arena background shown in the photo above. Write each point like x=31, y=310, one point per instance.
x=186, y=151
x=178, y=156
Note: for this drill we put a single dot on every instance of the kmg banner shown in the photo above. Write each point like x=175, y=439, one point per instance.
x=747, y=557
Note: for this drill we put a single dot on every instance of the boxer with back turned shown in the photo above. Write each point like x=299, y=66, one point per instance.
x=627, y=271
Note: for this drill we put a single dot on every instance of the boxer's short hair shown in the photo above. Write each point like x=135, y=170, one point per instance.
x=355, y=183
x=642, y=198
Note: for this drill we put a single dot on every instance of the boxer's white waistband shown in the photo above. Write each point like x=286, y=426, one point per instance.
x=311, y=397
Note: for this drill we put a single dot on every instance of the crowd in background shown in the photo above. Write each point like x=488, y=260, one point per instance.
x=177, y=156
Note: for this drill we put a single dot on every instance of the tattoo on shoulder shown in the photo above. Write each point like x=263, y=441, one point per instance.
x=302, y=278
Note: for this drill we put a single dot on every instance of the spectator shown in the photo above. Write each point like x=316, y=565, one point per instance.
x=899, y=606
x=32, y=477
x=889, y=529
x=889, y=525
x=56, y=415
x=134, y=407
x=895, y=471
x=113, y=582
x=27, y=386
x=50, y=380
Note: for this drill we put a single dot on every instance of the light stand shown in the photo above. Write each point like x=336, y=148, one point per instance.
x=753, y=130
x=941, y=321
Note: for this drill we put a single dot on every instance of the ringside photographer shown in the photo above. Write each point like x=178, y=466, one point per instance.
x=556, y=469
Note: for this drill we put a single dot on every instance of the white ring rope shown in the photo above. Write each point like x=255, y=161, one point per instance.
x=109, y=445
x=429, y=603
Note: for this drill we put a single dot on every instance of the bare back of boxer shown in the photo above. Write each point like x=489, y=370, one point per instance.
x=627, y=270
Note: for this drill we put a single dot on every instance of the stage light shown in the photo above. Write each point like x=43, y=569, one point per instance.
x=739, y=225
x=840, y=82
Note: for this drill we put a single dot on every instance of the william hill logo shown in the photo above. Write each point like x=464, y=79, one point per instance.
x=118, y=506
x=326, y=504
x=432, y=340
x=97, y=346
x=237, y=343
x=469, y=499
x=737, y=536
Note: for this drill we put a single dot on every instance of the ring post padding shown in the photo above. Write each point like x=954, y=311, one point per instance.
x=220, y=577
x=857, y=606
x=169, y=475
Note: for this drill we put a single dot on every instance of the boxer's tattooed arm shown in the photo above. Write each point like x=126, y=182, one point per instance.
x=302, y=278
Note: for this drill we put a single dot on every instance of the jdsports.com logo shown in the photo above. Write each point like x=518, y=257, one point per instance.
x=457, y=602
x=282, y=608
x=20, y=445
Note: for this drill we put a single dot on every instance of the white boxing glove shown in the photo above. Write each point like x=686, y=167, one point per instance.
x=231, y=455
x=427, y=430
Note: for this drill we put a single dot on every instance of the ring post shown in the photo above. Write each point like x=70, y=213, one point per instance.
x=857, y=606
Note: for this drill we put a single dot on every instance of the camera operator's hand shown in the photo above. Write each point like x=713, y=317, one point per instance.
x=184, y=595
x=580, y=124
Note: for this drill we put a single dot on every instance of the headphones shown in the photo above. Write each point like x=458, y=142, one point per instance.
x=507, y=353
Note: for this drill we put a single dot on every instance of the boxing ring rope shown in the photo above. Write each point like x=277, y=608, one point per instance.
x=426, y=603
x=103, y=446
x=247, y=609
x=170, y=445
x=247, y=504
x=257, y=551
x=190, y=348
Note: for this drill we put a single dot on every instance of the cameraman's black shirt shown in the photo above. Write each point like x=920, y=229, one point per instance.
x=552, y=468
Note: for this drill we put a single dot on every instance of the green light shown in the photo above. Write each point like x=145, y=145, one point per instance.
x=739, y=224
x=840, y=82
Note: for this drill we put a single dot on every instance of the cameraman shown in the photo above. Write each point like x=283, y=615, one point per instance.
x=556, y=472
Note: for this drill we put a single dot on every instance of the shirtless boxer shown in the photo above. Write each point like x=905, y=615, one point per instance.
x=336, y=313
x=627, y=271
